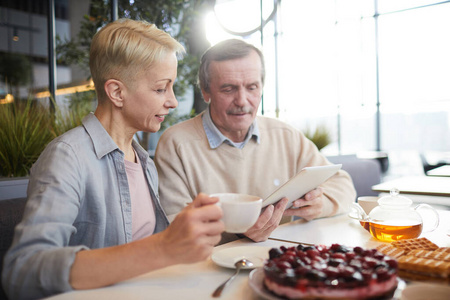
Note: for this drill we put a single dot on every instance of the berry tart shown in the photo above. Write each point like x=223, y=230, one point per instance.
x=335, y=272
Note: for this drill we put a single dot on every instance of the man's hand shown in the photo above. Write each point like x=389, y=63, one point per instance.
x=309, y=207
x=267, y=221
x=195, y=231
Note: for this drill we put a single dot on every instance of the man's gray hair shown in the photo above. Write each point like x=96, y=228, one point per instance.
x=226, y=50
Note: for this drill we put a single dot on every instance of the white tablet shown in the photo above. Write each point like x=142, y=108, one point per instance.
x=306, y=180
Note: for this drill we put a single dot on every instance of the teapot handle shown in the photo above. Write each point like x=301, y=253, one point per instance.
x=436, y=222
x=362, y=216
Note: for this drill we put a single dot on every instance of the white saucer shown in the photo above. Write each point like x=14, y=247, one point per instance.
x=353, y=215
x=227, y=257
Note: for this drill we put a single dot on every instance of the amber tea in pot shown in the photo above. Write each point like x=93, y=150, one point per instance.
x=389, y=233
x=394, y=219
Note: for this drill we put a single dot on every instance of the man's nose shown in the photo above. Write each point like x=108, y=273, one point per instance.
x=241, y=98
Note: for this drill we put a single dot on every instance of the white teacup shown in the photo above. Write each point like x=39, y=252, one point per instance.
x=240, y=211
x=368, y=203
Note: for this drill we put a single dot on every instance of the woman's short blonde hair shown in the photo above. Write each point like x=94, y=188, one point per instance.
x=123, y=49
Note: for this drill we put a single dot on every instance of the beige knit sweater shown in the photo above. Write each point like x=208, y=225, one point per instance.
x=187, y=165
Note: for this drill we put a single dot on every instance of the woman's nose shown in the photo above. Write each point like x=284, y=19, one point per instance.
x=172, y=100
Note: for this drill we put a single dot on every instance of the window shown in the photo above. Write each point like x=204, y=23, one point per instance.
x=338, y=61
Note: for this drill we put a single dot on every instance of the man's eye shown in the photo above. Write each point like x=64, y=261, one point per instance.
x=161, y=91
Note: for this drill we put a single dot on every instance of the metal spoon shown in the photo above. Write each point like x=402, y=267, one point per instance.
x=239, y=264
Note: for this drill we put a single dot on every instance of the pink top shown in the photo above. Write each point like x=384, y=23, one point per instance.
x=142, y=210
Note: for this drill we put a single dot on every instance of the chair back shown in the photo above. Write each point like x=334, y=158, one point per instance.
x=11, y=212
x=365, y=173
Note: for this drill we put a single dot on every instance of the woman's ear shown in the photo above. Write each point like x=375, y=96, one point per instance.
x=114, y=89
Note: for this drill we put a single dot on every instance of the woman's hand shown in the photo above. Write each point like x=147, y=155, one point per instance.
x=195, y=231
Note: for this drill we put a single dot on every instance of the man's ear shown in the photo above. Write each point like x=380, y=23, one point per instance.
x=206, y=96
x=114, y=89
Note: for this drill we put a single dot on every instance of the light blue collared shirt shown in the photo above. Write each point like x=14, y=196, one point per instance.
x=216, y=138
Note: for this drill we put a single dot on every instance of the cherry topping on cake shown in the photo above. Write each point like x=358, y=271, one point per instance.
x=335, y=266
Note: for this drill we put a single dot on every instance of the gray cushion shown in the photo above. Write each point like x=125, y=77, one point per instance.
x=11, y=212
x=365, y=173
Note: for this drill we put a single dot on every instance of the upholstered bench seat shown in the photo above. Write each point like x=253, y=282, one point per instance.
x=11, y=212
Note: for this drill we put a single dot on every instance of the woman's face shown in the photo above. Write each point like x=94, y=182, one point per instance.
x=149, y=98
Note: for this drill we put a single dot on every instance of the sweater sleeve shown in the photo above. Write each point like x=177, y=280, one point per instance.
x=173, y=185
x=339, y=192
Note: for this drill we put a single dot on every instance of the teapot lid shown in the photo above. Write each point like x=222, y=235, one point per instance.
x=395, y=199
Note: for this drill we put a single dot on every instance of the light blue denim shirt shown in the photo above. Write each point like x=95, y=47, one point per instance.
x=78, y=198
x=216, y=138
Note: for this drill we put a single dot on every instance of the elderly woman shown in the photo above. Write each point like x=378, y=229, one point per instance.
x=93, y=216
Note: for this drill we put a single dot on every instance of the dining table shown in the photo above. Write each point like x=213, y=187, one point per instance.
x=442, y=171
x=185, y=281
x=433, y=190
x=199, y=280
x=417, y=185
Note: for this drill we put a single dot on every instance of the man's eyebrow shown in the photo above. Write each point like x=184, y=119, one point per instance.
x=225, y=85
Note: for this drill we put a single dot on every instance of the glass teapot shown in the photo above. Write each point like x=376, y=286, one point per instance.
x=395, y=219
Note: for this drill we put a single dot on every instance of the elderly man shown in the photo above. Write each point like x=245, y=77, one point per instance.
x=228, y=148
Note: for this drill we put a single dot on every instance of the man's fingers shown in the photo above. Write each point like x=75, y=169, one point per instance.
x=265, y=216
x=301, y=212
x=299, y=203
x=281, y=205
x=317, y=192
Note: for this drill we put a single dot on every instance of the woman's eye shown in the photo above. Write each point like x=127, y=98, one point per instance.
x=161, y=91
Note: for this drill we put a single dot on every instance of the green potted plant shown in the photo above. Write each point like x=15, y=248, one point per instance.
x=320, y=136
x=26, y=127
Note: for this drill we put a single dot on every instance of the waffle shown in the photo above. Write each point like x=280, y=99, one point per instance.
x=419, y=259
x=406, y=275
x=390, y=250
x=443, y=249
x=424, y=265
x=437, y=255
x=412, y=244
x=423, y=269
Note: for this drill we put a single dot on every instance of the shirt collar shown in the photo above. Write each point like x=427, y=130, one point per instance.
x=102, y=141
x=104, y=144
x=216, y=138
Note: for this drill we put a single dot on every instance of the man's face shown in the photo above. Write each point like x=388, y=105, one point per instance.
x=235, y=94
